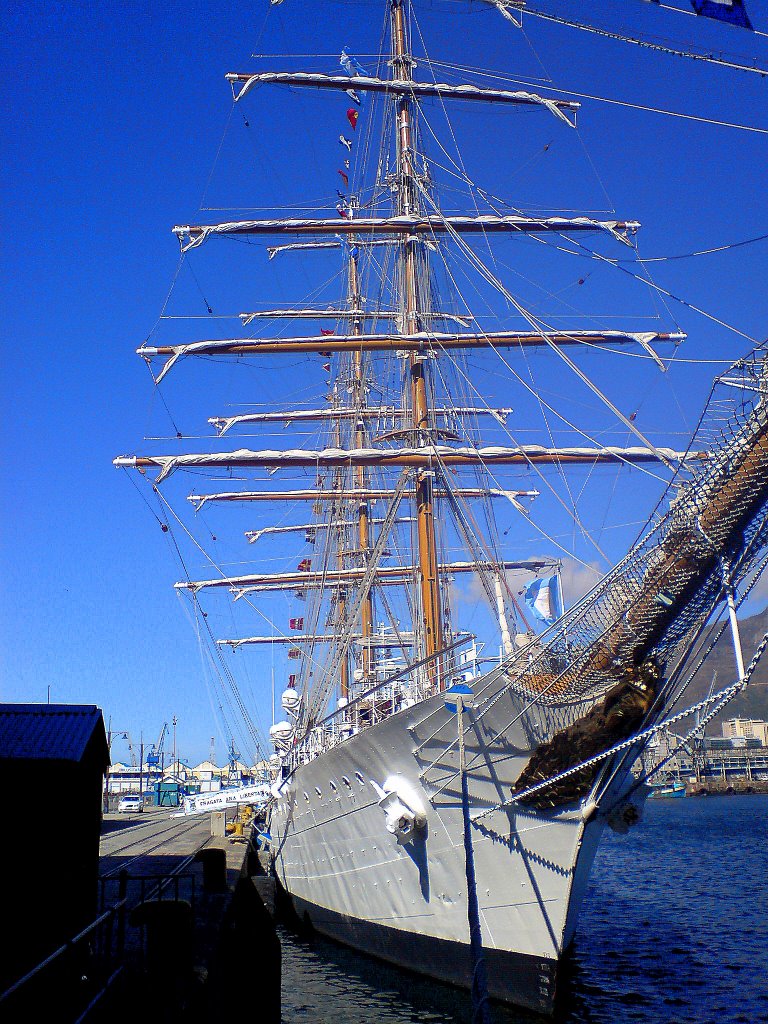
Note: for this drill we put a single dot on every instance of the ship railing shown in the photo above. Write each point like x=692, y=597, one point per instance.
x=334, y=727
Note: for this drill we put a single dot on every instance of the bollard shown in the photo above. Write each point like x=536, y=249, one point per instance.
x=214, y=869
x=168, y=952
x=168, y=930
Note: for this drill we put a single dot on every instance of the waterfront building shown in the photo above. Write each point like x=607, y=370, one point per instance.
x=750, y=728
x=126, y=778
x=728, y=758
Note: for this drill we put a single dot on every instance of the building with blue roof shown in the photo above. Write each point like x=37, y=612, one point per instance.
x=53, y=759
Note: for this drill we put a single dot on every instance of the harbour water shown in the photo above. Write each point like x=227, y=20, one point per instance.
x=674, y=930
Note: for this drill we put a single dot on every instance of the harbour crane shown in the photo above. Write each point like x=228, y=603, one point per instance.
x=155, y=753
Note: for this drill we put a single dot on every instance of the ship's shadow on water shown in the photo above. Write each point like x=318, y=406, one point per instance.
x=657, y=942
x=327, y=983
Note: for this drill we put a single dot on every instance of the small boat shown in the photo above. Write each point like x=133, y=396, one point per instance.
x=677, y=789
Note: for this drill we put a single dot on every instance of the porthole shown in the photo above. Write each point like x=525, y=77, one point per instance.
x=346, y=782
x=318, y=791
x=306, y=797
x=332, y=784
x=360, y=778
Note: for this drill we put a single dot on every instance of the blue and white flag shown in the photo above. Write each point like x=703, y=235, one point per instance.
x=545, y=599
x=353, y=69
x=349, y=64
x=731, y=11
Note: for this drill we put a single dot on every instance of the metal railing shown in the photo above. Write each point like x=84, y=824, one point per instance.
x=81, y=970
x=84, y=968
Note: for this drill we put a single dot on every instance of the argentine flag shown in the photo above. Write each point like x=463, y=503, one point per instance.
x=544, y=598
x=731, y=11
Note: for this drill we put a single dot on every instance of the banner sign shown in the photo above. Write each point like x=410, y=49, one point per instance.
x=258, y=795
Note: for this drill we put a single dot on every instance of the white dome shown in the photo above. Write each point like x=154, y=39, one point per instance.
x=281, y=729
x=290, y=699
x=281, y=734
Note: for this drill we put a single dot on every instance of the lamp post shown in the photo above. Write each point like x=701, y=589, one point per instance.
x=141, y=765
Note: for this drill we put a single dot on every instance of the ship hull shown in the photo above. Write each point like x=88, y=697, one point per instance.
x=517, y=978
x=406, y=901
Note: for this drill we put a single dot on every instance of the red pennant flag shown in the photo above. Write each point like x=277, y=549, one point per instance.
x=304, y=565
x=327, y=367
x=352, y=116
x=342, y=212
x=291, y=682
x=326, y=331
x=344, y=178
x=296, y=623
x=294, y=652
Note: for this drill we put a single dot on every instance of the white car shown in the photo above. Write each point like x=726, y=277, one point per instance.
x=130, y=805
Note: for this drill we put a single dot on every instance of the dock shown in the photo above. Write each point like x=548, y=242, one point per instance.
x=180, y=922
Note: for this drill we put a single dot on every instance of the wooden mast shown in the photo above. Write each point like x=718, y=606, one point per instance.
x=361, y=475
x=341, y=596
x=408, y=205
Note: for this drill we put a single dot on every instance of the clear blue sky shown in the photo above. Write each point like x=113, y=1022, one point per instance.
x=115, y=113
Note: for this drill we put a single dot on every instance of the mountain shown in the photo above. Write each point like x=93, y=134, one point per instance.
x=753, y=702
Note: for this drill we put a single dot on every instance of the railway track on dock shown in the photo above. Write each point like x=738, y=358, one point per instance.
x=140, y=847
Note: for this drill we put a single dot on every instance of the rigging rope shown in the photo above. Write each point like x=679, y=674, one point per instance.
x=604, y=99
x=539, y=326
x=645, y=43
x=253, y=731
x=693, y=14
x=699, y=252
x=657, y=287
x=723, y=696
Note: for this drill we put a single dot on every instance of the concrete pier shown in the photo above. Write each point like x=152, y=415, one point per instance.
x=180, y=927
x=189, y=946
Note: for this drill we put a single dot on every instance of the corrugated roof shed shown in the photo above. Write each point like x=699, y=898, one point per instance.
x=55, y=732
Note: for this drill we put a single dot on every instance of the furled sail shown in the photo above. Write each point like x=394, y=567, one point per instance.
x=522, y=455
x=192, y=235
x=328, y=577
x=429, y=341
x=355, y=494
x=396, y=87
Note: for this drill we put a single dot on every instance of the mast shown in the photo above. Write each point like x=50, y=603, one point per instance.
x=410, y=322
x=341, y=594
x=408, y=205
x=361, y=475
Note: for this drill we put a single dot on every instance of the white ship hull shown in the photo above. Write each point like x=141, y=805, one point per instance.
x=407, y=902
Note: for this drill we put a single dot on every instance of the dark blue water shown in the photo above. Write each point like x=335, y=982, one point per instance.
x=674, y=930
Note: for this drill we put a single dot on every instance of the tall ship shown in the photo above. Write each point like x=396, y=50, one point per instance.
x=452, y=742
